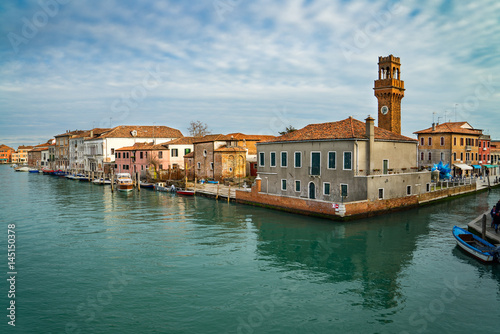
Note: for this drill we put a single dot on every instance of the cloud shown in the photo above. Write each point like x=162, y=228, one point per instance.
x=233, y=70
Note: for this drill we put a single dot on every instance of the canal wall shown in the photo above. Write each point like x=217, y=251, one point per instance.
x=353, y=210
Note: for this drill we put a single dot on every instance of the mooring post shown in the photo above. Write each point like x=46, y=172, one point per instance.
x=112, y=180
x=217, y=196
x=228, y=193
x=138, y=182
x=483, y=230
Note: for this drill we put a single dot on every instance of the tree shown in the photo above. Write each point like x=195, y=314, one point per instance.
x=198, y=129
x=288, y=129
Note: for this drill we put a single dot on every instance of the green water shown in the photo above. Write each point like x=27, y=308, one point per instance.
x=89, y=261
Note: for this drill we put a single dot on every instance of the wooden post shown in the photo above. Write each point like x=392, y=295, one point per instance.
x=138, y=182
x=228, y=193
x=483, y=230
x=217, y=197
x=112, y=180
x=194, y=185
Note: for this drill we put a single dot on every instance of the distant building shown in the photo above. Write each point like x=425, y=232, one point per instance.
x=21, y=155
x=458, y=144
x=62, y=149
x=100, y=150
x=77, y=147
x=38, y=155
x=6, y=154
x=221, y=157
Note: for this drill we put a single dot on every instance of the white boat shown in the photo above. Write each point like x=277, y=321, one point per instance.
x=101, y=181
x=124, y=182
x=161, y=186
x=22, y=169
x=475, y=246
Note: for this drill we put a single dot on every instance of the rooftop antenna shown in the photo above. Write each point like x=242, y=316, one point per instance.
x=456, y=104
x=439, y=118
x=445, y=112
x=433, y=114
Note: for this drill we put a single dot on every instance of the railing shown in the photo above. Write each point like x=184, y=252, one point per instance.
x=390, y=171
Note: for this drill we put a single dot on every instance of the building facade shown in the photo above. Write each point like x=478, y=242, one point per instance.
x=6, y=154
x=456, y=144
x=341, y=161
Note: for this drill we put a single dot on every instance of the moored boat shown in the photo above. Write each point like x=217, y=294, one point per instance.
x=147, y=185
x=22, y=169
x=33, y=170
x=475, y=246
x=101, y=181
x=185, y=192
x=124, y=182
x=47, y=171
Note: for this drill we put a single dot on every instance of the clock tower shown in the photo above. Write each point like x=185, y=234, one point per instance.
x=389, y=90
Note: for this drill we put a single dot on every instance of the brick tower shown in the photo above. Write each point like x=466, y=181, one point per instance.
x=389, y=90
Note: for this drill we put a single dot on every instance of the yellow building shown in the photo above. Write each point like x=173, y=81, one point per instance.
x=453, y=143
x=21, y=155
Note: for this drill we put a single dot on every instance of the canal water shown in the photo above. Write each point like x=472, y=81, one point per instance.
x=92, y=261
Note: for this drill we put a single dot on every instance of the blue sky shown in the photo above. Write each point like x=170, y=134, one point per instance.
x=241, y=66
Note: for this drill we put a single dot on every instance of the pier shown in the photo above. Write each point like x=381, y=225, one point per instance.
x=476, y=227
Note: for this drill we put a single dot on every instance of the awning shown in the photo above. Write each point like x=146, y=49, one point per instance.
x=463, y=166
x=489, y=166
x=476, y=166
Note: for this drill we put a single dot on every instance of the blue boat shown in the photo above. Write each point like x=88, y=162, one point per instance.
x=475, y=246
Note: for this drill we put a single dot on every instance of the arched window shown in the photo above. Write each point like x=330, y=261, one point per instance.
x=312, y=190
x=442, y=141
x=430, y=156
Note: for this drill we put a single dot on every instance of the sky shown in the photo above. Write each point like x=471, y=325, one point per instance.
x=250, y=66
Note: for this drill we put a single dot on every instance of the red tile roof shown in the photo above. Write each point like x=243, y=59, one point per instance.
x=125, y=131
x=189, y=155
x=348, y=128
x=181, y=141
x=230, y=149
x=233, y=136
x=5, y=148
x=452, y=127
x=95, y=132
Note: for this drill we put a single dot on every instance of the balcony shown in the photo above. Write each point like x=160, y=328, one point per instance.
x=468, y=148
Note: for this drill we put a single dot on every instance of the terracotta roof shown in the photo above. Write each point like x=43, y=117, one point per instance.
x=70, y=133
x=452, y=127
x=348, y=128
x=230, y=149
x=181, y=141
x=95, y=132
x=233, y=136
x=136, y=147
x=189, y=155
x=143, y=131
x=22, y=147
x=5, y=147
x=40, y=148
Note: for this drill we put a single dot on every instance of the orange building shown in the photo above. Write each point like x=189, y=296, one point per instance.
x=5, y=154
x=21, y=155
x=453, y=143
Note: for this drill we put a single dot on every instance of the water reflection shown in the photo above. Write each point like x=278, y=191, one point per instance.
x=370, y=253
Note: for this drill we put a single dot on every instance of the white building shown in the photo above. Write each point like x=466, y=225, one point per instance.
x=100, y=150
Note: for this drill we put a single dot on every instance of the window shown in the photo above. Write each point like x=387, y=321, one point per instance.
x=430, y=156
x=422, y=141
x=454, y=156
x=142, y=167
x=204, y=153
x=211, y=166
x=332, y=160
x=298, y=160
x=284, y=159
x=343, y=190
x=430, y=141
x=461, y=156
x=141, y=155
x=326, y=188
x=385, y=166
x=315, y=163
x=160, y=155
x=442, y=141
x=124, y=167
x=422, y=156
x=442, y=156
x=455, y=141
x=112, y=151
x=428, y=187
x=381, y=193
x=347, y=160
x=199, y=165
x=408, y=190
x=297, y=186
x=461, y=142
x=261, y=159
x=118, y=155
x=283, y=184
x=187, y=151
x=174, y=152
x=272, y=163
x=161, y=167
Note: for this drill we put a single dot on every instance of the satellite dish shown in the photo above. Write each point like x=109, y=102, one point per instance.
x=134, y=133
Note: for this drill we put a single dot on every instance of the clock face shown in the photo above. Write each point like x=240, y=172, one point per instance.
x=384, y=110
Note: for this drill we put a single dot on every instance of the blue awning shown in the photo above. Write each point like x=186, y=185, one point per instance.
x=476, y=166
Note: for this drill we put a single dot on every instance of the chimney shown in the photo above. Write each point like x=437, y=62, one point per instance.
x=92, y=133
x=370, y=134
x=433, y=126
